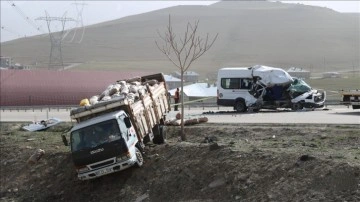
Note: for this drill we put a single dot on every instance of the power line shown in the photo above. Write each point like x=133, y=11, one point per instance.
x=79, y=18
x=10, y=31
x=25, y=17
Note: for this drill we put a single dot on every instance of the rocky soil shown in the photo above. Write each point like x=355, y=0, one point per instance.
x=253, y=162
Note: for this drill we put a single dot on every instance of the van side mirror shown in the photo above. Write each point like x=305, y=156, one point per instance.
x=65, y=141
x=127, y=122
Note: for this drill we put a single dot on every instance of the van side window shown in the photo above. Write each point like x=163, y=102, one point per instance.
x=230, y=83
x=236, y=83
x=246, y=83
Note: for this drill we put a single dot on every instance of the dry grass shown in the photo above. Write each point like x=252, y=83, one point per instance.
x=250, y=33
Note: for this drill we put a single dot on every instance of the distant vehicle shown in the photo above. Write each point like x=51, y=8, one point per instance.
x=352, y=98
x=110, y=135
x=42, y=125
x=262, y=87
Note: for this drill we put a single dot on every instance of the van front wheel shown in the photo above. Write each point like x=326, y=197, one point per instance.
x=297, y=106
x=240, y=106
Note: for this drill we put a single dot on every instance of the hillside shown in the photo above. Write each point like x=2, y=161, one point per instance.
x=270, y=33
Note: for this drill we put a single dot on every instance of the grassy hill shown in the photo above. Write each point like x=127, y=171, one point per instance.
x=268, y=33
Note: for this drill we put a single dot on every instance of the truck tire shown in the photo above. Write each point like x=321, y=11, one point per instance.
x=139, y=158
x=297, y=106
x=140, y=147
x=240, y=106
x=159, y=134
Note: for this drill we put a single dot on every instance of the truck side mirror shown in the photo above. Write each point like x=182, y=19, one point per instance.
x=65, y=141
x=127, y=122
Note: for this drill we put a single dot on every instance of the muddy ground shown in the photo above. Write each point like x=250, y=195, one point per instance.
x=253, y=162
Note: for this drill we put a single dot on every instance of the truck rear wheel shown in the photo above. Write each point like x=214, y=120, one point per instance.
x=240, y=106
x=159, y=134
x=139, y=157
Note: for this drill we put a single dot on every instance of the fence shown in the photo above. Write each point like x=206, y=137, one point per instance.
x=187, y=105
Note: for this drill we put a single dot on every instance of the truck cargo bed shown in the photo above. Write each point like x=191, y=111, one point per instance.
x=146, y=111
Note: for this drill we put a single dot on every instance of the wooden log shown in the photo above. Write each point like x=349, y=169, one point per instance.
x=36, y=156
x=203, y=119
x=191, y=121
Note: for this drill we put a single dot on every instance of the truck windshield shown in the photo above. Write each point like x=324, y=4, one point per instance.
x=94, y=135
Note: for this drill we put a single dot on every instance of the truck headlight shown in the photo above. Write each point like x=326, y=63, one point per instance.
x=82, y=169
x=123, y=157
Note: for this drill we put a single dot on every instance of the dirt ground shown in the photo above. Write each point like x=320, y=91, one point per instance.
x=218, y=162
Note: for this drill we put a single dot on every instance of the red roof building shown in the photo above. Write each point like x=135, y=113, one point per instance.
x=46, y=87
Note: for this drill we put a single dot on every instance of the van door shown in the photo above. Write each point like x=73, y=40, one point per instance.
x=232, y=89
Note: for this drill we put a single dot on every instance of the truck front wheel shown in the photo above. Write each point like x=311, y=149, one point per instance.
x=139, y=158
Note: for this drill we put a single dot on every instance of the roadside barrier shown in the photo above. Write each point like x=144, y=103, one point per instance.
x=193, y=104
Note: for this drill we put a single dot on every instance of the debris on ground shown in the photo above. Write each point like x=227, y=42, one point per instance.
x=238, y=162
x=188, y=121
x=36, y=156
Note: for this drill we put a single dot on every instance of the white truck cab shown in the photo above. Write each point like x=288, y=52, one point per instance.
x=110, y=141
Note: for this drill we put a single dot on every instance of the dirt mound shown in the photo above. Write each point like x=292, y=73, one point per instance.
x=216, y=163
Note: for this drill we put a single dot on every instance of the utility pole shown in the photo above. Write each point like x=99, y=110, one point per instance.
x=79, y=19
x=353, y=66
x=56, y=59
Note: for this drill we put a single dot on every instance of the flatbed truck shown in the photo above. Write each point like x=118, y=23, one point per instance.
x=110, y=136
x=351, y=97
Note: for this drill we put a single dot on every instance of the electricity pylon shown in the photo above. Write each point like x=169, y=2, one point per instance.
x=79, y=19
x=56, y=59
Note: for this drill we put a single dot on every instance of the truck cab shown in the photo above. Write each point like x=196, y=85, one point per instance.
x=104, y=144
x=110, y=134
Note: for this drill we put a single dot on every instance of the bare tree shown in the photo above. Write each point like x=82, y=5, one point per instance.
x=183, y=51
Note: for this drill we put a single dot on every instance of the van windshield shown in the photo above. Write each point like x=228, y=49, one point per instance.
x=95, y=135
x=298, y=87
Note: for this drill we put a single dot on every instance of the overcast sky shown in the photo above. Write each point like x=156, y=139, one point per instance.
x=18, y=18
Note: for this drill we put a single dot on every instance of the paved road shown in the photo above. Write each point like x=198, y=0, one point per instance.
x=334, y=115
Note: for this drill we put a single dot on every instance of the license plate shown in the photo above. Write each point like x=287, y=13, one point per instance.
x=104, y=171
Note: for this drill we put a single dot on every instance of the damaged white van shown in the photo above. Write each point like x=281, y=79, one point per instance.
x=263, y=87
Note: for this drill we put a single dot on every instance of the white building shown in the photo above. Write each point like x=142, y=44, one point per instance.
x=198, y=91
x=172, y=82
x=5, y=62
x=189, y=76
x=331, y=75
x=298, y=72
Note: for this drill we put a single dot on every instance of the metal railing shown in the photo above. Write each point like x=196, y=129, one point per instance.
x=187, y=105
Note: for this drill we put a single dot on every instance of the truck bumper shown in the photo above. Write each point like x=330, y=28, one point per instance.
x=108, y=169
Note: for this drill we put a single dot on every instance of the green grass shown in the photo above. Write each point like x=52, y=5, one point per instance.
x=336, y=84
x=11, y=132
x=332, y=86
